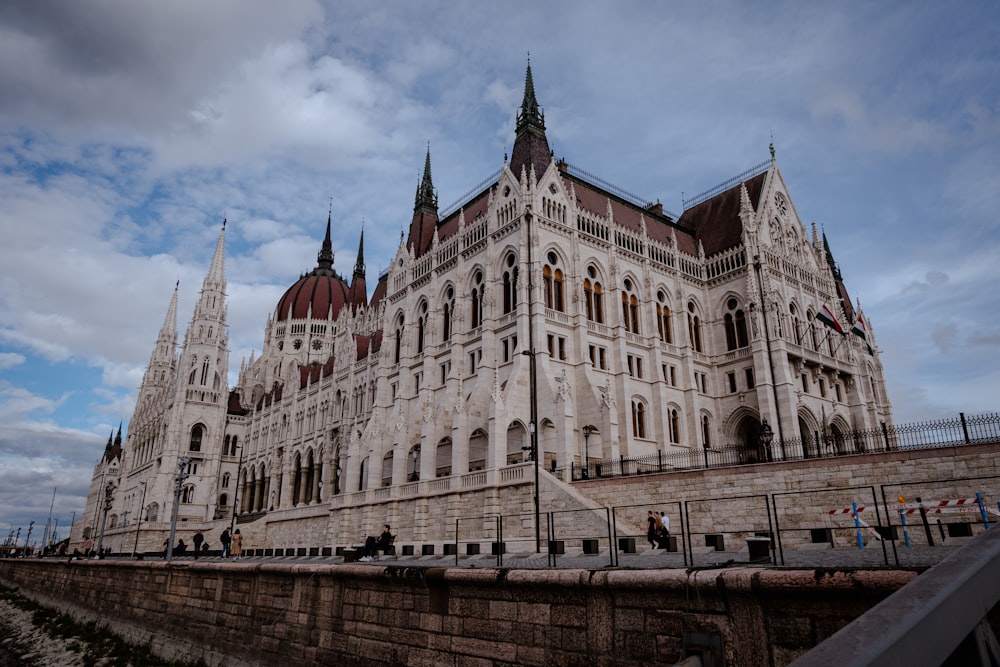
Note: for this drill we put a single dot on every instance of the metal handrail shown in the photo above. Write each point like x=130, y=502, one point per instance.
x=940, y=618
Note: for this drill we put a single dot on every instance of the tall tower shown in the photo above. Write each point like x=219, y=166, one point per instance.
x=197, y=424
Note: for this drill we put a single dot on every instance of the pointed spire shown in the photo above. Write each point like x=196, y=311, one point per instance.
x=324, y=259
x=217, y=272
x=531, y=116
x=169, y=328
x=531, y=147
x=359, y=265
x=830, y=261
x=426, y=199
x=118, y=436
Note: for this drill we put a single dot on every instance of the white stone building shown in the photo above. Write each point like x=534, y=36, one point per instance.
x=549, y=310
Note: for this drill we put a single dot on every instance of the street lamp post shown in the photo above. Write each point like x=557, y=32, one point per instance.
x=138, y=522
x=108, y=491
x=27, y=538
x=586, y=450
x=236, y=493
x=179, y=484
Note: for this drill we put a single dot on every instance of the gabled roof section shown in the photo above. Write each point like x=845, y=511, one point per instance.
x=715, y=221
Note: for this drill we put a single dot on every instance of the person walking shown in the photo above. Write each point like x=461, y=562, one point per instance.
x=225, y=540
x=237, y=545
x=651, y=528
x=197, y=539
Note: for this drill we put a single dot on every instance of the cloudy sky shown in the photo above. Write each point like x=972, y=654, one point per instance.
x=128, y=130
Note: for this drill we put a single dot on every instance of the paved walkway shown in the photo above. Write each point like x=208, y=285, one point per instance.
x=805, y=556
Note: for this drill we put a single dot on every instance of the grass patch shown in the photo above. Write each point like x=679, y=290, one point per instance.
x=95, y=642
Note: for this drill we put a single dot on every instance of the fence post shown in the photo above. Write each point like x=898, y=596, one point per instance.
x=927, y=524
x=885, y=436
x=965, y=427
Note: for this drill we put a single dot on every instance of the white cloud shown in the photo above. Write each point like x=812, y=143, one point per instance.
x=9, y=359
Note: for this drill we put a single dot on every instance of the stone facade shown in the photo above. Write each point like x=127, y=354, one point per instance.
x=548, y=314
x=277, y=614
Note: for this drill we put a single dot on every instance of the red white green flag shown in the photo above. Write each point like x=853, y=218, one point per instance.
x=860, y=329
x=826, y=316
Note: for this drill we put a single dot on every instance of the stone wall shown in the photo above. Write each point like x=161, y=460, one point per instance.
x=232, y=614
x=736, y=500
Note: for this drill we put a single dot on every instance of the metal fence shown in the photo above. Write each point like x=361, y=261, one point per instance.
x=961, y=430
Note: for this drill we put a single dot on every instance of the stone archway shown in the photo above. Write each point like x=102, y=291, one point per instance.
x=749, y=447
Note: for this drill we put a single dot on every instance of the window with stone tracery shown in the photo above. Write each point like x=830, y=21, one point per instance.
x=510, y=284
x=593, y=296
x=663, y=318
x=552, y=283
x=630, y=307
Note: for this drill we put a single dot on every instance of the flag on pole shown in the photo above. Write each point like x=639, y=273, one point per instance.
x=860, y=329
x=826, y=316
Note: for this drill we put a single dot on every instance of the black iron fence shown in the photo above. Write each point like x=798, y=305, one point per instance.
x=961, y=430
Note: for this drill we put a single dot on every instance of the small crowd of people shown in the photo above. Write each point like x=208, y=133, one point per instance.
x=658, y=529
x=232, y=545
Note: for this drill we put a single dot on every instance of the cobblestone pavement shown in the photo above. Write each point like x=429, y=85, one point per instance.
x=874, y=555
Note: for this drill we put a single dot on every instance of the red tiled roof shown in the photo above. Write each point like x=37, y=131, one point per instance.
x=321, y=292
x=716, y=221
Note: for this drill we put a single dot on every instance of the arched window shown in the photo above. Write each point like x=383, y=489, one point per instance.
x=796, y=324
x=204, y=372
x=447, y=310
x=197, y=431
x=674, y=424
x=638, y=419
x=478, y=290
x=399, y=339
x=223, y=500
x=187, y=494
x=813, y=333
x=421, y=325
x=413, y=464
x=387, y=469
x=552, y=281
x=593, y=296
x=694, y=327
x=663, y=318
x=736, y=326
x=510, y=284
x=630, y=308
x=706, y=432
x=225, y=481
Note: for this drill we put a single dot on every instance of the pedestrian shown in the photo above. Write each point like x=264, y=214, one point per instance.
x=651, y=528
x=383, y=543
x=180, y=548
x=237, y=545
x=197, y=539
x=663, y=531
x=225, y=540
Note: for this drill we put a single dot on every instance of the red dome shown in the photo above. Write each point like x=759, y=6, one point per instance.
x=316, y=290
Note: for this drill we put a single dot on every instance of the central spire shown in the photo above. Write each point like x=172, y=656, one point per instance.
x=531, y=148
x=324, y=260
x=530, y=117
x=426, y=199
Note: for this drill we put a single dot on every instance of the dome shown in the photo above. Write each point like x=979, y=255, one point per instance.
x=314, y=293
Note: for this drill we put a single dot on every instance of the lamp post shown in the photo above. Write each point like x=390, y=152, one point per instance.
x=766, y=436
x=28, y=537
x=179, y=483
x=108, y=491
x=138, y=523
x=236, y=493
x=587, y=429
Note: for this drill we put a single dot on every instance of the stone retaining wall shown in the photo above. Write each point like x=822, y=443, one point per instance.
x=264, y=614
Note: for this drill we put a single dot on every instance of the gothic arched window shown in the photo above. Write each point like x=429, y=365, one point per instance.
x=510, y=284
x=197, y=431
x=663, y=318
x=552, y=281
x=593, y=296
x=630, y=307
x=478, y=291
x=694, y=327
x=447, y=310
